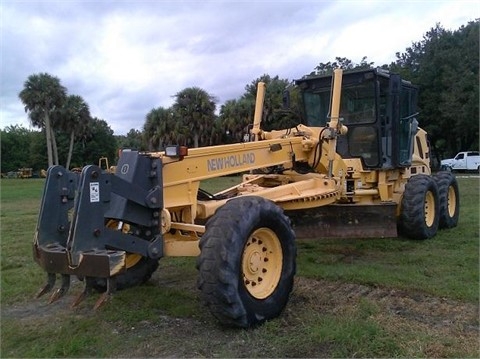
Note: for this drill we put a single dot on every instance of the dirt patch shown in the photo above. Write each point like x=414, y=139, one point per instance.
x=447, y=326
x=432, y=311
x=450, y=326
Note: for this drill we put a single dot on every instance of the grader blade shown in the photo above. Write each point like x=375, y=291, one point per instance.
x=346, y=221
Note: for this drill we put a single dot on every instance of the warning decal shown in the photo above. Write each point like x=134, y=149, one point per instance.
x=94, y=192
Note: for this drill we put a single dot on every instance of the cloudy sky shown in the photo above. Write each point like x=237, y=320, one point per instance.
x=126, y=57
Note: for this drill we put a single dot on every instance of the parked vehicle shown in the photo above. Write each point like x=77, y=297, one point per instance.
x=463, y=161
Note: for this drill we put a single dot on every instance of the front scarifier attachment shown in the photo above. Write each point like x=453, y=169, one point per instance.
x=74, y=235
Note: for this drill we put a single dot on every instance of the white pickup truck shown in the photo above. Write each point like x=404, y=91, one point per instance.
x=463, y=161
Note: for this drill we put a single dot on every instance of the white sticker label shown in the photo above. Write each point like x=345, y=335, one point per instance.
x=94, y=192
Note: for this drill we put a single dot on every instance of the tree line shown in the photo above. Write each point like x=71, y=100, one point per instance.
x=444, y=64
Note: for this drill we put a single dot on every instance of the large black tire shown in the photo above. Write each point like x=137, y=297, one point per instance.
x=419, y=216
x=247, y=262
x=139, y=269
x=449, y=199
x=135, y=275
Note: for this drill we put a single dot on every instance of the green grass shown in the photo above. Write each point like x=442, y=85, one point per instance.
x=19, y=206
x=68, y=338
x=446, y=265
x=353, y=298
x=215, y=185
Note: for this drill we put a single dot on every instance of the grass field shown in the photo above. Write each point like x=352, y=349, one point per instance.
x=352, y=298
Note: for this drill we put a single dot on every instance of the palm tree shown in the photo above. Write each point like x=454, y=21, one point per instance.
x=41, y=95
x=235, y=116
x=159, y=128
x=273, y=100
x=150, y=130
x=72, y=118
x=195, y=110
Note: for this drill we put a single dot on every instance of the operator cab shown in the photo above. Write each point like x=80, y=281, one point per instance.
x=379, y=109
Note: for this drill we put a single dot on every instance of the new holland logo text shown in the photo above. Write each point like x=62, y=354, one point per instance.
x=226, y=162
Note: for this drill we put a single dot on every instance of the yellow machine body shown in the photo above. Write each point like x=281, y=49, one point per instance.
x=360, y=170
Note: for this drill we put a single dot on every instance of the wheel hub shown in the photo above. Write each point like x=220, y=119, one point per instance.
x=254, y=262
x=131, y=258
x=429, y=208
x=262, y=263
x=451, y=201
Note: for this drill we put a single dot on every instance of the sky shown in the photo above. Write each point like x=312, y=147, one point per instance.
x=125, y=58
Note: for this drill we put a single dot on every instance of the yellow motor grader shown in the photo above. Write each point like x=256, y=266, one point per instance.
x=357, y=167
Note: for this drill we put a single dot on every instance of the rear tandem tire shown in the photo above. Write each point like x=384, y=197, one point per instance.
x=419, y=217
x=247, y=262
x=449, y=199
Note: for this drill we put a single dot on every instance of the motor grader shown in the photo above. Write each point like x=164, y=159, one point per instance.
x=356, y=166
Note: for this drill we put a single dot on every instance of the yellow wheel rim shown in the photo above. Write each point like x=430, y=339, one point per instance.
x=429, y=208
x=262, y=263
x=451, y=201
x=131, y=258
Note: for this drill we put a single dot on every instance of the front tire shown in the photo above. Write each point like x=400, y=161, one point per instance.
x=419, y=217
x=247, y=262
x=449, y=199
x=139, y=269
x=137, y=274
